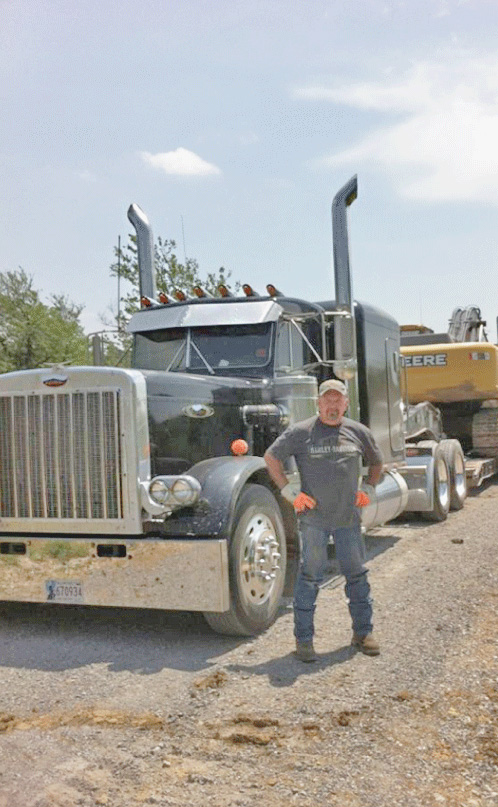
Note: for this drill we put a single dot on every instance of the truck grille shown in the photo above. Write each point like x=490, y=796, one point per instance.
x=60, y=455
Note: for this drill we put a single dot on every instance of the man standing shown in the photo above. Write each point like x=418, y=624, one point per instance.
x=329, y=449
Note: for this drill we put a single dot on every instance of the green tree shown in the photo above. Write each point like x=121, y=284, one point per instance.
x=34, y=333
x=171, y=274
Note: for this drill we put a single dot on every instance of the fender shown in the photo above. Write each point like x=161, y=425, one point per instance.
x=222, y=479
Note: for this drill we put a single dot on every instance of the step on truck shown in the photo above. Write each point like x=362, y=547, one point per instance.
x=146, y=487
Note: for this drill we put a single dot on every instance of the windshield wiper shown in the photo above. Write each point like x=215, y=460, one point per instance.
x=201, y=357
x=184, y=352
x=176, y=357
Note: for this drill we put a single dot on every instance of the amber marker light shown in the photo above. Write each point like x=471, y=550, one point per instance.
x=249, y=291
x=180, y=295
x=163, y=297
x=273, y=291
x=145, y=302
x=199, y=292
x=224, y=291
x=239, y=447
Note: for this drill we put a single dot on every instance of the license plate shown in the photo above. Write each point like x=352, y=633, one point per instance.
x=63, y=591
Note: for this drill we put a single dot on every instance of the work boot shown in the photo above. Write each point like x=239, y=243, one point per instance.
x=366, y=644
x=305, y=651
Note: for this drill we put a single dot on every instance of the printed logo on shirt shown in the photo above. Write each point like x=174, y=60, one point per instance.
x=326, y=448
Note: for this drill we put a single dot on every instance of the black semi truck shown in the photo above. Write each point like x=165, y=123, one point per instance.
x=147, y=488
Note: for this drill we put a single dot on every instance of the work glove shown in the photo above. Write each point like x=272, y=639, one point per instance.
x=299, y=500
x=364, y=497
x=303, y=502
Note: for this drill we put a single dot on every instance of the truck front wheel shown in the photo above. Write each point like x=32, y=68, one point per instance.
x=257, y=564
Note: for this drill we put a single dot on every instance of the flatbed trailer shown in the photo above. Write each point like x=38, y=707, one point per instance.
x=478, y=469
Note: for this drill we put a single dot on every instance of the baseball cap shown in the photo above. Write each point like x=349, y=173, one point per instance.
x=332, y=384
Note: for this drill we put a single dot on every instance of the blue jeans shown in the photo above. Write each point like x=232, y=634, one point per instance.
x=350, y=555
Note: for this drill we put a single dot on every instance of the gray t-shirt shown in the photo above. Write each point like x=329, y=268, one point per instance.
x=329, y=460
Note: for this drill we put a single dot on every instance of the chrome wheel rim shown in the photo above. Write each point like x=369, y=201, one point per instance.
x=443, y=488
x=260, y=560
x=460, y=477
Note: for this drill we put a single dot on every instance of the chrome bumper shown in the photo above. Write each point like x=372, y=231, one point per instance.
x=139, y=573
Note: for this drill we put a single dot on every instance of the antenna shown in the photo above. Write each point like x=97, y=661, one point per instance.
x=119, y=283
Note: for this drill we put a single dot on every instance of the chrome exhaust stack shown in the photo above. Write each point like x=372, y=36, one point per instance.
x=145, y=249
x=390, y=497
x=345, y=361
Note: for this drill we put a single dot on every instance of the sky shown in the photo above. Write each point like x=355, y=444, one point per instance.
x=233, y=125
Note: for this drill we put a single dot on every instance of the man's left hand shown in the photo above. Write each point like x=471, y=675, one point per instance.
x=364, y=496
x=362, y=499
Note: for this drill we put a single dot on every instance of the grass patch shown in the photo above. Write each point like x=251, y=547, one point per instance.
x=60, y=550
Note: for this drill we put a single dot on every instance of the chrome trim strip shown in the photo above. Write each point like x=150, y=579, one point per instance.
x=103, y=486
x=71, y=456
x=26, y=447
x=85, y=456
x=16, y=502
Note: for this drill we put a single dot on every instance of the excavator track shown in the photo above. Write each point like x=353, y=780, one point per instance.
x=485, y=432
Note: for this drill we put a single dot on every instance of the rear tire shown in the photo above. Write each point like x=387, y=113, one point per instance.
x=441, y=503
x=455, y=460
x=257, y=565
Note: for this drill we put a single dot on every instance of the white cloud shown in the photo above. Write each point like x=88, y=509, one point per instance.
x=180, y=162
x=442, y=146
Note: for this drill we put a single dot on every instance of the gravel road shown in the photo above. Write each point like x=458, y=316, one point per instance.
x=124, y=708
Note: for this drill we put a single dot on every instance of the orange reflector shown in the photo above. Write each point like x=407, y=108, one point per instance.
x=180, y=295
x=163, y=297
x=239, y=447
x=145, y=302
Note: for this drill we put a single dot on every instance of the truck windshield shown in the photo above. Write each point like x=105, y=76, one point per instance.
x=209, y=350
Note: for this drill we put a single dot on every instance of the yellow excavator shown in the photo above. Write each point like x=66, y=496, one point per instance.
x=457, y=372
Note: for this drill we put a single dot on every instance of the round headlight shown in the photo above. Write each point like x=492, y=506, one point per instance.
x=159, y=491
x=184, y=492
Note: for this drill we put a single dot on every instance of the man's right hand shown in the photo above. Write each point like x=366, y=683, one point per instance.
x=303, y=502
x=299, y=500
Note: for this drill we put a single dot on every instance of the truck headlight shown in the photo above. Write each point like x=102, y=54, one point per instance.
x=174, y=491
x=184, y=492
x=159, y=491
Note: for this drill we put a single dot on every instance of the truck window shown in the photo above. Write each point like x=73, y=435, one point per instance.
x=157, y=350
x=293, y=353
x=283, y=355
x=232, y=346
x=204, y=350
